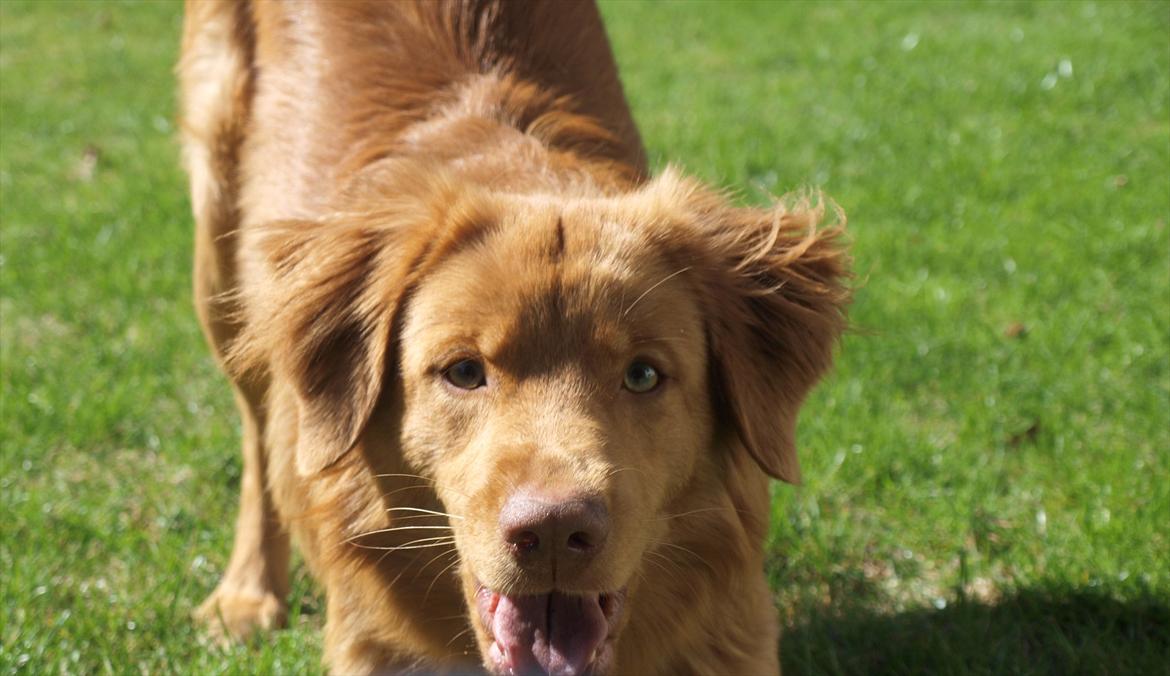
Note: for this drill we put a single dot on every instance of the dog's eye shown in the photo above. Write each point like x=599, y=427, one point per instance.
x=641, y=377
x=465, y=374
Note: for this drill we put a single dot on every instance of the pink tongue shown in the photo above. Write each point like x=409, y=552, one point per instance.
x=549, y=634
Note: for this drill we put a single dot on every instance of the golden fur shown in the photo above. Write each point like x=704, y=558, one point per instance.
x=380, y=186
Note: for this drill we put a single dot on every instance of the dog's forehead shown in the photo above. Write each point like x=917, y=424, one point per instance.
x=575, y=238
x=569, y=280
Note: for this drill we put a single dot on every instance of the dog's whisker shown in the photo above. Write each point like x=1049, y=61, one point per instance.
x=420, y=487
x=438, y=556
x=391, y=529
x=398, y=517
x=413, y=544
x=418, y=571
x=437, y=576
x=660, y=562
x=456, y=636
x=693, y=511
x=402, y=570
x=450, y=617
x=673, y=569
x=396, y=529
x=665, y=564
x=619, y=470
x=402, y=548
x=655, y=286
x=423, y=511
x=383, y=558
x=691, y=552
x=404, y=476
x=430, y=483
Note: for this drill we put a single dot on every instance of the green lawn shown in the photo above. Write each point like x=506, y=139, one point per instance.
x=987, y=472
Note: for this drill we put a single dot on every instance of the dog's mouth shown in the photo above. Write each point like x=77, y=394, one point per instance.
x=557, y=633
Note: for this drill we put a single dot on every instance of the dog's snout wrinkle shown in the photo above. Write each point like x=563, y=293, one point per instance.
x=562, y=534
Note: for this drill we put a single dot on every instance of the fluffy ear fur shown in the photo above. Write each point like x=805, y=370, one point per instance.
x=323, y=297
x=321, y=319
x=774, y=287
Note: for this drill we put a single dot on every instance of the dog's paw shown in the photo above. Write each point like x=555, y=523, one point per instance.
x=232, y=616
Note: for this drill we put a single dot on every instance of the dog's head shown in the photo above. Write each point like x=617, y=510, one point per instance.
x=562, y=369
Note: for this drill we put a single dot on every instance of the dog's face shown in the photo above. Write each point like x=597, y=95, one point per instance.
x=564, y=368
x=555, y=379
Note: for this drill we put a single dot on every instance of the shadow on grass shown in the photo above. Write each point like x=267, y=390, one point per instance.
x=1032, y=632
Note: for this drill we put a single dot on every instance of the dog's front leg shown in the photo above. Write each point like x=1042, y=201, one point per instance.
x=252, y=594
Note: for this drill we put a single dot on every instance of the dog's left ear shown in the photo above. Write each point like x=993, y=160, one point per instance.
x=774, y=286
x=321, y=319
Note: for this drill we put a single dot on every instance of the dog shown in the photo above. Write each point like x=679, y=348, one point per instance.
x=516, y=401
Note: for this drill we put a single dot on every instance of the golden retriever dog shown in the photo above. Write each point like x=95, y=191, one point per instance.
x=516, y=401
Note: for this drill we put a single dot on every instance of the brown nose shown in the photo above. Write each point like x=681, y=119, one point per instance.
x=539, y=528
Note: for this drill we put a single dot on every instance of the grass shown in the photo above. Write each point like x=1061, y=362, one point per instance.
x=986, y=472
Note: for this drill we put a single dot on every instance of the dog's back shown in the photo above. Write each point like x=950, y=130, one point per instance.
x=345, y=79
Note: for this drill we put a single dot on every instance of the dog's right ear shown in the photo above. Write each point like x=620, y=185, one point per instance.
x=320, y=318
x=773, y=285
